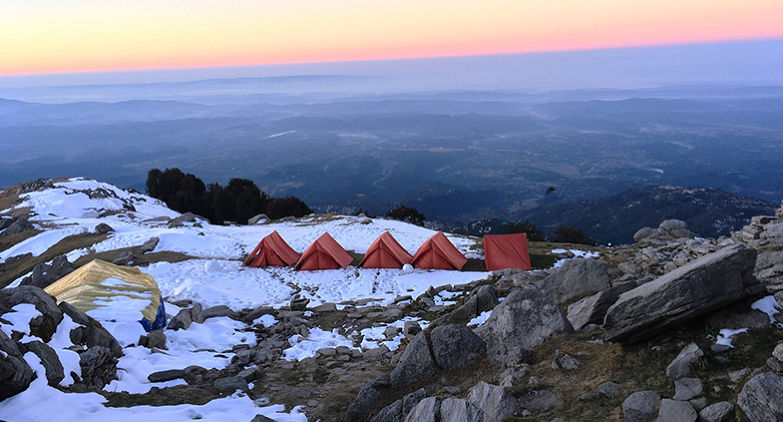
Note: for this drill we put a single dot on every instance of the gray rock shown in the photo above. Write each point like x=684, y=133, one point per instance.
x=168, y=375
x=258, y=219
x=326, y=307
x=230, y=384
x=218, y=311
x=416, y=364
x=762, y=398
x=535, y=402
x=299, y=303
x=592, y=309
x=698, y=403
x=775, y=365
x=676, y=228
x=249, y=374
x=608, y=390
x=124, y=258
x=15, y=374
x=155, y=339
x=49, y=360
x=150, y=244
x=456, y=346
x=103, y=228
x=391, y=331
x=261, y=418
x=459, y=410
x=575, y=279
x=397, y=411
x=643, y=233
x=641, y=406
x=569, y=362
x=181, y=321
x=494, y=401
x=525, y=319
x=426, y=411
x=676, y=411
x=45, y=274
x=681, y=365
x=718, y=412
x=486, y=298
x=411, y=400
x=512, y=376
x=99, y=366
x=777, y=353
x=363, y=404
x=695, y=289
x=43, y=326
x=687, y=388
x=17, y=225
x=411, y=328
x=94, y=334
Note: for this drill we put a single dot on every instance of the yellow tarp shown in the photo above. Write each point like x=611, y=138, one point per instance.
x=100, y=280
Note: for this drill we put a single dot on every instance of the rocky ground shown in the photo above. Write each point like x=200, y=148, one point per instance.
x=670, y=328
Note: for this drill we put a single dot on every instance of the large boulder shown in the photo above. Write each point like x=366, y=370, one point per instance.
x=15, y=374
x=641, y=406
x=456, y=346
x=494, y=401
x=575, y=279
x=48, y=357
x=42, y=326
x=524, y=320
x=99, y=366
x=592, y=309
x=45, y=274
x=426, y=410
x=459, y=410
x=695, y=289
x=416, y=364
x=17, y=225
x=762, y=398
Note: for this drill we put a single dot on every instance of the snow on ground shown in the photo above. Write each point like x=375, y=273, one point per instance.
x=373, y=337
x=480, y=318
x=19, y=318
x=576, y=252
x=266, y=320
x=305, y=347
x=769, y=306
x=40, y=402
x=39, y=243
x=243, y=287
x=725, y=335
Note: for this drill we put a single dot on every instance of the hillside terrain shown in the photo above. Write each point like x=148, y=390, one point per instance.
x=673, y=326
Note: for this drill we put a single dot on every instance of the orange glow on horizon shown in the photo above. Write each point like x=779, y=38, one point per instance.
x=50, y=36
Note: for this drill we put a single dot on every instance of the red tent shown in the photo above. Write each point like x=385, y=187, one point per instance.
x=272, y=251
x=438, y=253
x=506, y=251
x=324, y=254
x=385, y=252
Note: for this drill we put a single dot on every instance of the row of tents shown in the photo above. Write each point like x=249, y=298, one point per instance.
x=437, y=252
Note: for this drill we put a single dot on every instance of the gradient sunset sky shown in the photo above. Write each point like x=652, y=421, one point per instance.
x=47, y=36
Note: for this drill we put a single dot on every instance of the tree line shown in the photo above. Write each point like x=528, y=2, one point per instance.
x=238, y=201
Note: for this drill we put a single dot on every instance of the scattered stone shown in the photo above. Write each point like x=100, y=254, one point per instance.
x=299, y=303
x=681, y=365
x=608, y=390
x=17, y=225
x=218, y=311
x=695, y=289
x=775, y=365
x=456, y=346
x=525, y=319
x=326, y=307
x=535, y=402
x=363, y=404
x=687, y=388
x=124, y=258
x=168, y=375
x=15, y=374
x=513, y=376
x=739, y=374
x=778, y=352
x=230, y=384
x=569, y=362
x=459, y=410
x=150, y=244
x=718, y=412
x=42, y=326
x=181, y=320
x=99, y=366
x=261, y=418
x=676, y=411
x=258, y=219
x=762, y=397
x=391, y=331
x=155, y=339
x=641, y=406
x=103, y=228
x=411, y=328
x=698, y=403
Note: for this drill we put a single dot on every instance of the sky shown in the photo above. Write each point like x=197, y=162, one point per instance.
x=55, y=36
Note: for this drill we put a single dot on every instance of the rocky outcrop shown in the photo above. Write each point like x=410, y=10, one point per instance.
x=693, y=290
x=456, y=346
x=667, y=230
x=45, y=274
x=592, y=309
x=762, y=398
x=99, y=366
x=48, y=357
x=765, y=234
x=15, y=374
x=42, y=326
x=14, y=225
x=416, y=364
x=575, y=279
x=525, y=319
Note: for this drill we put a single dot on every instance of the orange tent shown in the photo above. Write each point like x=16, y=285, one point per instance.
x=324, y=254
x=506, y=251
x=272, y=251
x=438, y=253
x=385, y=252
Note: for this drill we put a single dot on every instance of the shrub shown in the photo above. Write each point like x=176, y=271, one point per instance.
x=567, y=234
x=287, y=207
x=528, y=228
x=407, y=214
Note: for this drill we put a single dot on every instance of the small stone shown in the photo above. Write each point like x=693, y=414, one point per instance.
x=778, y=352
x=739, y=374
x=230, y=384
x=718, y=412
x=687, y=388
x=569, y=362
x=608, y=389
x=103, y=228
x=679, y=411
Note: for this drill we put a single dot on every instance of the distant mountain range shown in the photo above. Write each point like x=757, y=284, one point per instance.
x=708, y=212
